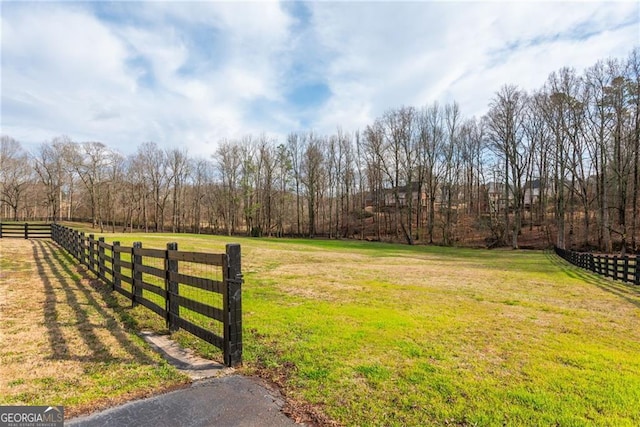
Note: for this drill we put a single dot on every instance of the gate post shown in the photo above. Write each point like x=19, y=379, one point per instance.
x=233, y=307
x=172, y=306
x=26, y=230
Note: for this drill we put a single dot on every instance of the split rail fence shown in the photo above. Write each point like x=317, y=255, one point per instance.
x=25, y=230
x=198, y=292
x=618, y=267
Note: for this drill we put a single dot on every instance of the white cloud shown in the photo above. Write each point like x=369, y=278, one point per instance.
x=191, y=74
x=390, y=54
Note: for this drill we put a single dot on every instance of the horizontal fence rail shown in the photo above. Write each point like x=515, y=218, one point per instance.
x=618, y=267
x=198, y=292
x=25, y=230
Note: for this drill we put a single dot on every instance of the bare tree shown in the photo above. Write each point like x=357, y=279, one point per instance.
x=15, y=173
x=177, y=172
x=597, y=131
x=283, y=175
x=113, y=186
x=90, y=161
x=228, y=166
x=538, y=133
x=621, y=165
x=431, y=141
x=451, y=163
x=154, y=169
x=373, y=149
x=505, y=126
x=296, y=145
x=633, y=81
x=201, y=175
x=311, y=168
x=398, y=161
x=49, y=164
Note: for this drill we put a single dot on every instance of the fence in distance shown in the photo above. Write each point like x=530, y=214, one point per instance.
x=617, y=267
x=26, y=230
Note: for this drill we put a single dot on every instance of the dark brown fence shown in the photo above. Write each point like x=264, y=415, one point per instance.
x=25, y=230
x=618, y=267
x=198, y=292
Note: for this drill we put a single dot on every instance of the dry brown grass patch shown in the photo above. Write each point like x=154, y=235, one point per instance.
x=61, y=341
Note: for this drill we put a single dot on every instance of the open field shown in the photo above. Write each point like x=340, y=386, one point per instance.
x=380, y=334
x=62, y=342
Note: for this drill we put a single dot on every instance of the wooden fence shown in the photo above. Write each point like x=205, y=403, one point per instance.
x=618, y=267
x=25, y=230
x=198, y=292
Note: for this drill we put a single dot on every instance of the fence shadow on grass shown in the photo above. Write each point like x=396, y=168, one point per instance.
x=626, y=291
x=52, y=262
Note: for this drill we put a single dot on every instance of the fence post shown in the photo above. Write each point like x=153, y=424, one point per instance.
x=115, y=253
x=136, y=274
x=233, y=307
x=71, y=237
x=82, y=251
x=615, y=267
x=79, y=244
x=625, y=269
x=101, y=261
x=92, y=261
x=0, y=230
x=26, y=230
x=171, y=304
x=637, y=275
x=73, y=244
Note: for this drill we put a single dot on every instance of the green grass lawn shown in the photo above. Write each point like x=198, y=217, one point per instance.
x=381, y=334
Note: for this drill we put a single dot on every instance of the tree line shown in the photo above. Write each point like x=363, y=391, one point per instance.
x=562, y=159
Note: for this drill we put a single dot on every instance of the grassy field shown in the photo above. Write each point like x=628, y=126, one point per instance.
x=64, y=338
x=381, y=334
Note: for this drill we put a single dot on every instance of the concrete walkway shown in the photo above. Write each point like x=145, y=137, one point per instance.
x=233, y=400
x=218, y=397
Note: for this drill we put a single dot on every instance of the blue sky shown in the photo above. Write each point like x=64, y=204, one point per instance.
x=190, y=74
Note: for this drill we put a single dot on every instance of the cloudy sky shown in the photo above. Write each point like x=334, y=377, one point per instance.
x=189, y=74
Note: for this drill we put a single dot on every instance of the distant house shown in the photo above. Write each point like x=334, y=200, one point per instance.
x=496, y=196
x=404, y=192
x=532, y=193
x=387, y=197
